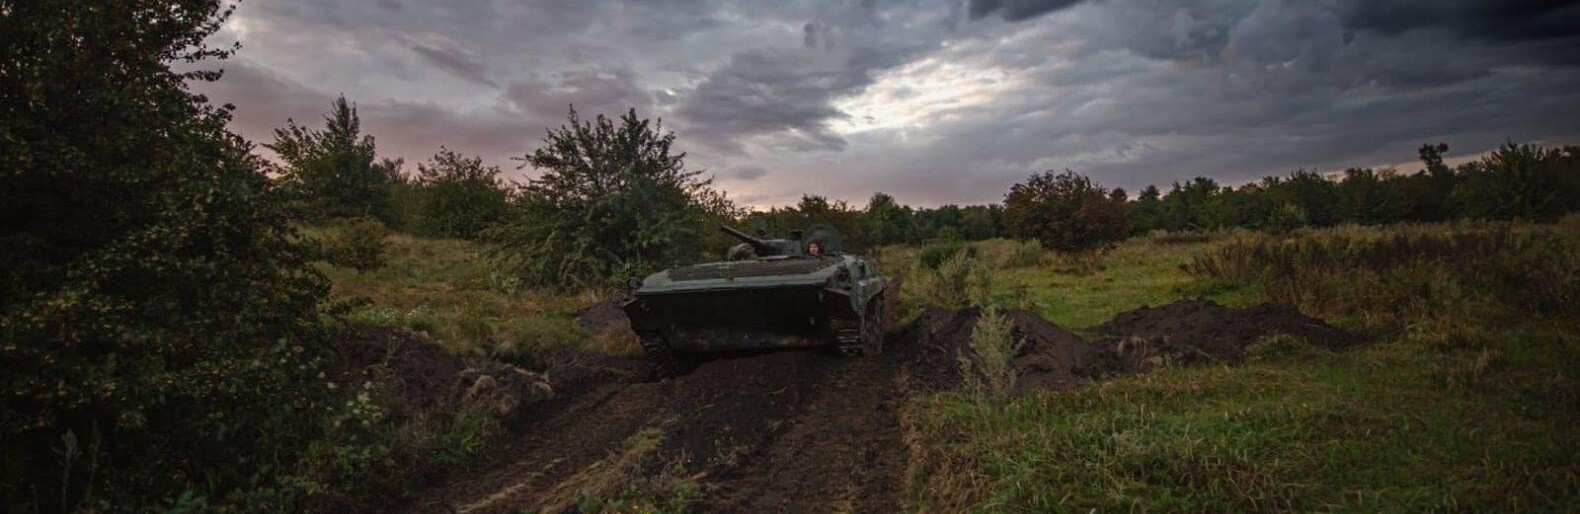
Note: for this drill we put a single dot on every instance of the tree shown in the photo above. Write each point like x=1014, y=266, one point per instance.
x=613, y=201
x=891, y=222
x=460, y=197
x=156, y=307
x=1146, y=213
x=1065, y=212
x=1366, y=197
x=1514, y=182
x=335, y=170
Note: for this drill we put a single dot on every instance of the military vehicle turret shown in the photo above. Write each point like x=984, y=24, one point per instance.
x=796, y=292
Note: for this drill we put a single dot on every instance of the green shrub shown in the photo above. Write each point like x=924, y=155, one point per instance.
x=460, y=197
x=934, y=255
x=357, y=244
x=1285, y=219
x=958, y=282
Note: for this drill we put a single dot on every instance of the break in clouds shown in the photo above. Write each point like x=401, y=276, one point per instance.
x=932, y=101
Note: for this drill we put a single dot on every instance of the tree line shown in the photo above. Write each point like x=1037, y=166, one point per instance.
x=579, y=222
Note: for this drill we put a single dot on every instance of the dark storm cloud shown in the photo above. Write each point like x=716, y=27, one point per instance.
x=1550, y=28
x=454, y=61
x=1516, y=20
x=1016, y=10
x=934, y=101
x=771, y=92
x=265, y=101
x=788, y=93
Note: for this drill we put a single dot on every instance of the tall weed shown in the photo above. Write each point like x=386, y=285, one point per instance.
x=957, y=282
x=987, y=371
x=1397, y=277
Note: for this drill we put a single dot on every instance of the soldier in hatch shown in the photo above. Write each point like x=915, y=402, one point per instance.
x=814, y=249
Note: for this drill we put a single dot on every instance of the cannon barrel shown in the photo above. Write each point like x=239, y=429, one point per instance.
x=758, y=245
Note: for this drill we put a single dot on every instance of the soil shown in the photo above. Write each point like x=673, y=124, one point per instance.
x=1201, y=331
x=422, y=374
x=605, y=317
x=802, y=431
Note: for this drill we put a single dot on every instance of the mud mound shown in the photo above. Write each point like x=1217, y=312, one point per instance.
x=1195, y=331
x=605, y=318
x=1050, y=356
x=423, y=374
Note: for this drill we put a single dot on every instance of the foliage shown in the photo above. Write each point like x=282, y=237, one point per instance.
x=957, y=282
x=1065, y=211
x=357, y=244
x=1512, y=182
x=334, y=170
x=1520, y=182
x=447, y=289
x=612, y=202
x=159, y=315
x=934, y=255
x=460, y=197
x=1286, y=218
x=987, y=370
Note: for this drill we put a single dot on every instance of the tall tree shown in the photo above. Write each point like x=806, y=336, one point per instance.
x=156, y=309
x=335, y=169
x=613, y=200
x=891, y=222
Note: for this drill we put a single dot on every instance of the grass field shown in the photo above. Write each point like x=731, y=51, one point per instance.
x=449, y=289
x=1406, y=423
x=1464, y=398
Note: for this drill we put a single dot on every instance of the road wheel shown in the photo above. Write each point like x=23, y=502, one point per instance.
x=665, y=365
x=872, y=327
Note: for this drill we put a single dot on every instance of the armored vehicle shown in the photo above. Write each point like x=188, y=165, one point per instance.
x=796, y=292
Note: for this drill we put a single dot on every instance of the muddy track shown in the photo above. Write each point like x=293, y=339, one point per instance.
x=780, y=432
x=804, y=431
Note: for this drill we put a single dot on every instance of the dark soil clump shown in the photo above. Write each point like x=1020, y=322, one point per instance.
x=1050, y=357
x=422, y=374
x=605, y=317
x=1199, y=331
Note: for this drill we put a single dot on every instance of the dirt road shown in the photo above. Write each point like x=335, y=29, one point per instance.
x=796, y=431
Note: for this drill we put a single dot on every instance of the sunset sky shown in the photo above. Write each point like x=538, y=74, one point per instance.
x=931, y=101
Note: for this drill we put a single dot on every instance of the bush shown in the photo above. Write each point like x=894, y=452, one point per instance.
x=460, y=197
x=1285, y=219
x=934, y=255
x=357, y=244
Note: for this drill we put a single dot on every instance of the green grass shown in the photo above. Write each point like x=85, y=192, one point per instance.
x=447, y=288
x=1135, y=274
x=1437, y=414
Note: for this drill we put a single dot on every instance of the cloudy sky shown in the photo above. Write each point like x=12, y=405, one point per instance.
x=933, y=101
